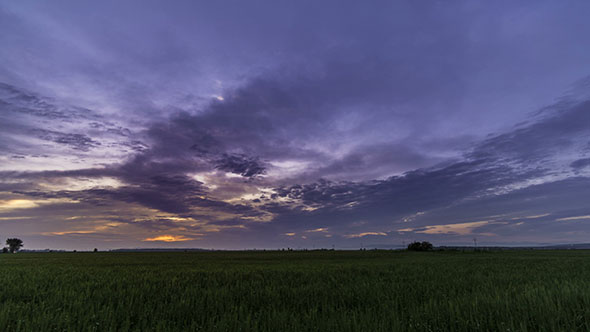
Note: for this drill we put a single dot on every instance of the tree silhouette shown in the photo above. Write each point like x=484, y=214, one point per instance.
x=420, y=246
x=14, y=244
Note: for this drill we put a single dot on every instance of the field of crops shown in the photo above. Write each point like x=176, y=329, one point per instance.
x=296, y=291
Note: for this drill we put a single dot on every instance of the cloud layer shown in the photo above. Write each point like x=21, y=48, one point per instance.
x=313, y=125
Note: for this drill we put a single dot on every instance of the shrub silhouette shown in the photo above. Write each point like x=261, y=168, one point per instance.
x=420, y=246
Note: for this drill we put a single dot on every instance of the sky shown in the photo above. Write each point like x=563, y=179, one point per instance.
x=300, y=124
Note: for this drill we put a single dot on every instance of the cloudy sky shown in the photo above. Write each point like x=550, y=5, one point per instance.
x=302, y=124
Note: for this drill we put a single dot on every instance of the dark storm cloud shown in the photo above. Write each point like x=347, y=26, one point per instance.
x=240, y=164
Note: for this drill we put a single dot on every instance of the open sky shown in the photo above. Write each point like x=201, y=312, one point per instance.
x=270, y=124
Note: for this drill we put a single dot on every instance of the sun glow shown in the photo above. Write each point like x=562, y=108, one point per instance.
x=14, y=204
x=168, y=238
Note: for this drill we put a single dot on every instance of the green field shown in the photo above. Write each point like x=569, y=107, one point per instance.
x=296, y=291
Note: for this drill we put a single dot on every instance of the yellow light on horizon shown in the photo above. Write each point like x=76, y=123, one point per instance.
x=17, y=204
x=13, y=204
x=168, y=238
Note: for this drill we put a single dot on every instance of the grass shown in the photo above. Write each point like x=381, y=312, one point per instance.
x=296, y=291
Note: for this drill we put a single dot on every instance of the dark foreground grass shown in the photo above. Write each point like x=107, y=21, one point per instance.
x=296, y=291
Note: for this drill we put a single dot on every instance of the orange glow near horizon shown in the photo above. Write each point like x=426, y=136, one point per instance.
x=168, y=238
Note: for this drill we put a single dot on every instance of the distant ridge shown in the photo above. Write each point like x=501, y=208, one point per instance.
x=571, y=246
x=158, y=249
x=526, y=247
